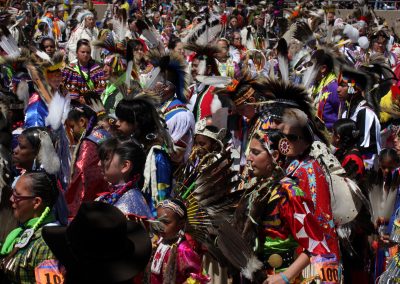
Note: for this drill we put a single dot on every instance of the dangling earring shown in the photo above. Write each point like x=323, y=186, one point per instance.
x=34, y=165
x=284, y=146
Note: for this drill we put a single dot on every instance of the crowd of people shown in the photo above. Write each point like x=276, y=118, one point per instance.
x=198, y=142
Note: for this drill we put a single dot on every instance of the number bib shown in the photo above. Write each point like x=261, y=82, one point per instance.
x=328, y=270
x=49, y=272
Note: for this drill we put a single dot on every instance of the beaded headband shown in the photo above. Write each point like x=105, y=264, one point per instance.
x=168, y=204
x=245, y=97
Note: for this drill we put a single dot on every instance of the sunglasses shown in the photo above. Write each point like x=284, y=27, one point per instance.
x=292, y=137
x=18, y=198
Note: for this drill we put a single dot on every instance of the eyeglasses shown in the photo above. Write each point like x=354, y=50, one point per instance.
x=18, y=198
x=237, y=38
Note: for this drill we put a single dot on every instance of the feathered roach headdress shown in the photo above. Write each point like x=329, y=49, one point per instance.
x=381, y=76
x=207, y=56
x=168, y=68
x=208, y=31
x=284, y=95
x=245, y=90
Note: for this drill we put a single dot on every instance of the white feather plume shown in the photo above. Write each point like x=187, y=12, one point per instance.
x=216, y=81
x=283, y=67
x=56, y=111
x=128, y=74
x=43, y=55
x=363, y=42
x=252, y=266
x=309, y=76
x=47, y=155
x=215, y=104
x=23, y=92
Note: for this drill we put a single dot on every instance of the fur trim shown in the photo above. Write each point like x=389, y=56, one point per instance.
x=253, y=265
x=56, y=111
x=47, y=155
x=215, y=104
x=23, y=92
x=363, y=42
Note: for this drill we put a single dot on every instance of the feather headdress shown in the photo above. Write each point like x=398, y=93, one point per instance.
x=169, y=67
x=207, y=56
x=208, y=31
x=246, y=89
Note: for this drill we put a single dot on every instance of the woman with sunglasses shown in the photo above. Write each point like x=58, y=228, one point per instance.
x=279, y=221
x=290, y=115
x=84, y=79
x=24, y=249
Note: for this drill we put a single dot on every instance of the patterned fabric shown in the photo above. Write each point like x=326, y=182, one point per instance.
x=188, y=265
x=311, y=179
x=327, y=100
x=76, y=84
x=180, y=121
x=26, y=259
x=110, y=98
x=87, y=180
x=288, y=221
x=36, y=111
x=163, y=176
x=201, y=101
x=128, y=198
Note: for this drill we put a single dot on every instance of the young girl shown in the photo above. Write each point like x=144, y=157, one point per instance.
x=139, y=120
x=123, y=164
x=87, y=179
x=345, y=138
x=174, y=260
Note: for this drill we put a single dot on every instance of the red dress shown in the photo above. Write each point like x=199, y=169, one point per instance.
x=87, y=181
x=311, y=179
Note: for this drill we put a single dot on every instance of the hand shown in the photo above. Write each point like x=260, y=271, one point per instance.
x=274, y=279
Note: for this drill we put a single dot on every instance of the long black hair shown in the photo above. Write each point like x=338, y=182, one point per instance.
x=347, y=130
x=131, y=151
x=139, y=113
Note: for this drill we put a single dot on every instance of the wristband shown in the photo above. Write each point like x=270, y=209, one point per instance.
x=284, y=277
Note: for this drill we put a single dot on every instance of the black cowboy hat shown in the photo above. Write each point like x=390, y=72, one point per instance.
x=100, y=245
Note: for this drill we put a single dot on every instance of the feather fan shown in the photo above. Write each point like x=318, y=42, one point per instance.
x=204, y=33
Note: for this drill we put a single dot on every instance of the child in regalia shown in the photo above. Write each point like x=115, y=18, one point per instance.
x=175, y=261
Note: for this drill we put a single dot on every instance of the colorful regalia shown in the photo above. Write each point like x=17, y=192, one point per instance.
x=188, y=264
x=326, y=100
x=312, y=181
x=36, y=111
x=201, y=97
x=368, y=124
x=158, y=177
x=178, y=118
x=81, y=81
x=128, y=198
x=20, y=266
x=286, y=224
x=87, y=180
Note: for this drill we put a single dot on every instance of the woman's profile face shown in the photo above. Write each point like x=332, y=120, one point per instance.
x=90, y=22
x=24, y=154
x=23, y=201
x=83, y=54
